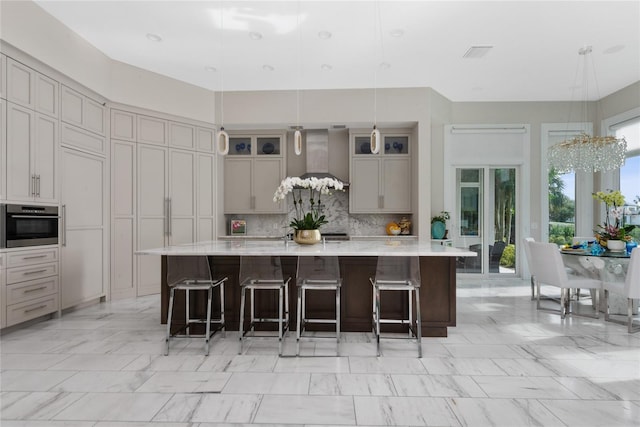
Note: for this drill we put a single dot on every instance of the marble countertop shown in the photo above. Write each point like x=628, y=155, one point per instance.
x=247, y=247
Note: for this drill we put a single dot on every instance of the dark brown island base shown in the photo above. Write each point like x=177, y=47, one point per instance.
x=357, y=264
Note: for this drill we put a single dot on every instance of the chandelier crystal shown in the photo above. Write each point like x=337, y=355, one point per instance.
x=585, y=152
x=588, y=154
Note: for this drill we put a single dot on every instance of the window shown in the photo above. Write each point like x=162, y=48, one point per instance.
x=630, y=173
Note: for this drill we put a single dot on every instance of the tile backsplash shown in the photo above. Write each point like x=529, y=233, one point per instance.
x=336, y=210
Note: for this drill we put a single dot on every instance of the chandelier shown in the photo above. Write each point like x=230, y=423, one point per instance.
x=585, y=152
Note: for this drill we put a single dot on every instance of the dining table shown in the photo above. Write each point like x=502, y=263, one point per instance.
x=609, y=266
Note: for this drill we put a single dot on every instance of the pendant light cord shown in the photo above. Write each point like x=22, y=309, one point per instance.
x=221, y=65
x=299, y=69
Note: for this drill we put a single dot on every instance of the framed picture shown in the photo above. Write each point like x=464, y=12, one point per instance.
x=238, y=227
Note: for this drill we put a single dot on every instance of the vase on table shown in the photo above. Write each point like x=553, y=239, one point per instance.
x=307, y=237
x=616, y=245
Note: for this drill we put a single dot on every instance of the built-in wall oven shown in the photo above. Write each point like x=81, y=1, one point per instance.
x=22, y=225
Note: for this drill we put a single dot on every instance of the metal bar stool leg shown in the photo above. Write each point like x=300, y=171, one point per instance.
x=338, y=320
x=418, y=322
x=241, y=328
x=170, y=314
x=377, y=297
x=299, y=320
x=280, y=309
x=207, y=335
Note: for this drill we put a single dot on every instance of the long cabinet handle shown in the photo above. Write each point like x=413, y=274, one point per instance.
x=28, y=273
x=40, y=307
x=64, y=225
x=170, y=215
x=38, y=185
x=34, y=257
x=166, y=216
x=26, y=291
x=33, y=186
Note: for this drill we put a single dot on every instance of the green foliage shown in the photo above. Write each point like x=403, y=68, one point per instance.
x=508, y=256
x=561, y=233
x=311, y=221
x=443, y=217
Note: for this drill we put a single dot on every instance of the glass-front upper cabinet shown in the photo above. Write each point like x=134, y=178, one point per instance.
x=268, y=146
x=392, y=145
x=239, y=146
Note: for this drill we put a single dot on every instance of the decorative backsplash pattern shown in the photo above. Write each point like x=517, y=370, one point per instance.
x=336, y=209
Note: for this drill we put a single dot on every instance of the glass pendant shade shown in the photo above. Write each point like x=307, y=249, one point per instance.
x=223, y=142
x=297, y=142
x=375, y=141
x=588, y=154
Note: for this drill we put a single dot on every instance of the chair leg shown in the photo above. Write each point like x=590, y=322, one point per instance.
x=241, y=328
x=377, y=299
x=533, y=288
x=169, y=316
x=597, y=303
x=630, y=315
x=418, y=322
x=299, y=320
x=537, y=294
x=223, y=328
x=207, y=333
x=338, y=320
x=280, y=313
x=607, y=315
x=410, y=314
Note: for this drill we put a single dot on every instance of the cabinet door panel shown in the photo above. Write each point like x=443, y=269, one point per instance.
x=237, y=185
x=151, y=181
x=365, y=189
x=182, y=231
x=182, y=166
x=123, y=125
x=93, y=116
x=82, y=266
x=20, y=128
x=205, y=200
x=152, y=130
x=123, y=178
x=267, y=177
x=20, y=83
x=71, y=102
x=150, y=235
x=83, y=182
x=181, y=135
x=122, y=272
x=397, y=185
x=3, y=149
x=45, y=152
x=77, y=137
x=3, y=76
x=205, y=138
x=46, y=95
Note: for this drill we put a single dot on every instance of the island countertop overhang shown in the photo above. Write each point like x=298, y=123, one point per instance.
x=382, y=247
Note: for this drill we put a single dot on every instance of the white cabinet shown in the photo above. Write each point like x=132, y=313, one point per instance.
x=151, y=130
x=3, y=148
x=3, y=76
x=84, y=230
x=253, y=171
x=123, y=220
x=31, y=288
x=205, y=139
x=205, y=197
x=380, y=183
x=182, y=136
x=82, y=111
x=123, y=125
x=3, y=289
x=29, y=88
x=32, y=152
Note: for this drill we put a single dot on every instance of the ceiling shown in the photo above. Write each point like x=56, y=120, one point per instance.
x=284, y=45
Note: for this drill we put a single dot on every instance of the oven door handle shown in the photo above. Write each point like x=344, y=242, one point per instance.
x=35, y=216
x=64, y=225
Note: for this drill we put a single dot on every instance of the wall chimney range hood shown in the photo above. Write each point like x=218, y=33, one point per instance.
x=317, y=149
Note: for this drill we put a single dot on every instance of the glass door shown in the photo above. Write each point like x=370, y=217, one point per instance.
x=486, y=217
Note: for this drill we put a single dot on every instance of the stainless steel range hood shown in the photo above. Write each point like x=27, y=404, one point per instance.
x=317, y=149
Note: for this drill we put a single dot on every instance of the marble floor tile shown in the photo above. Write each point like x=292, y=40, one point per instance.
x=87, y=347
x=585, y=413
x=486, y=351
x=330, y=410
x=352, y=385
x=23, y=346
x=267, y=383
x=523, y=387
x=32, y=380
x=48, y=423
x=179, y=408
x=464, y=366
x=114, y=407
x=174, y=363
x=312, y=364
x=437, y=386
x=502, y=412
x=35, y=405
x=93, y=362
x=586, y=388
x=247, y=363
x=226, y=408
x=524, y=368
x=387, y=365
x=185, y=382
x=103, y=381
x=623, y=389
x=404, y=411
x=15, y=361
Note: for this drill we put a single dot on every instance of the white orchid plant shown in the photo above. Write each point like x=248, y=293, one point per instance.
x=307, y=216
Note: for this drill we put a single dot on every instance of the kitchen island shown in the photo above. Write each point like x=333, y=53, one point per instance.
x=358, y=260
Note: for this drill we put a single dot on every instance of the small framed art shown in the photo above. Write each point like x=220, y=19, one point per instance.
x=238, y=227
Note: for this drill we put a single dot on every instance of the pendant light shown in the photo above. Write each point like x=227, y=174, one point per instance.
x=375, y=133
x=297, y=135
x=222, y=140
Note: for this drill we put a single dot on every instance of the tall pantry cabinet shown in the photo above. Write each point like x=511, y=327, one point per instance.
x=162, y=177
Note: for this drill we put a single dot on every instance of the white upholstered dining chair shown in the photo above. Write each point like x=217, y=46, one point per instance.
x=548, y=269
x=629, y=289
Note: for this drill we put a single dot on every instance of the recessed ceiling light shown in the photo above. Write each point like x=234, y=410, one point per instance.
x=255, y=36
x=154, y=37
x=326, y=67
x=324, y=35
x=210, y=69
x=477, y=51
x=613, y=49
x=397, y=33
x=267, y=67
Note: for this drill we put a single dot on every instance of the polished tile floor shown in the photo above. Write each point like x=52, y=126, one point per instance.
x=504, y=364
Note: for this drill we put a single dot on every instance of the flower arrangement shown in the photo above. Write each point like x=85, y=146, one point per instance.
x=614, y=207
x=443, y=217
x=307, y=216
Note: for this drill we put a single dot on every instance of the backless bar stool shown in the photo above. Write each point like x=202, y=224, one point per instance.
x=260, y=273
x=398, y=274
x=193, y=273
x=317, y=273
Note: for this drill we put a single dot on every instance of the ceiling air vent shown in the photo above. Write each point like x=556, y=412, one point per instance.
x=477, y=51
